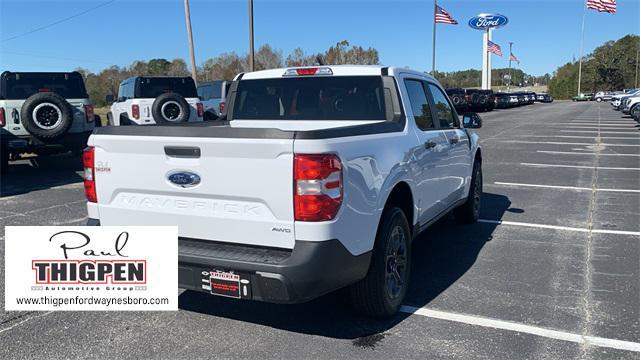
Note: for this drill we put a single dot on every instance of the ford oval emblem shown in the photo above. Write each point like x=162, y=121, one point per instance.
x=184, y=179
x=486, y=21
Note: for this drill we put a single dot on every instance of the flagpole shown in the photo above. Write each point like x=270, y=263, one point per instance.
x=433, y=50
x=584, y=13
x=510, y=52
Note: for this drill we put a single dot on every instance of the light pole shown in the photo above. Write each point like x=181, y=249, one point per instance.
x=637, y=54
x=187, y=15
x=251, y=54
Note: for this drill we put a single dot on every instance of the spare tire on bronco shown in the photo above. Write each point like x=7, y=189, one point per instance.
x=46, y=115
x=170, y=108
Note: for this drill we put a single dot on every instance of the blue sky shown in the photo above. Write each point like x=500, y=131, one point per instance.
x=546, y=34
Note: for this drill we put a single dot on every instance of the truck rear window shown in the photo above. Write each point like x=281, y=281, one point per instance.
x=311, y=98
x=154, y=87
x=18, y=86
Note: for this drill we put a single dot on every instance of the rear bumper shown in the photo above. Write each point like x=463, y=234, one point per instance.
x=311, y=269
x=26, y=143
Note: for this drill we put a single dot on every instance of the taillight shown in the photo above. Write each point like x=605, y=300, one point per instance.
x=135, y=111
x=221, y=106
x=317, y=186
x=88, y=161
x=3, y=120
x=200, y=109
x=88, y=113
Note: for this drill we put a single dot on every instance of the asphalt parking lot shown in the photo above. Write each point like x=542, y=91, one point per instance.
x=551, y=272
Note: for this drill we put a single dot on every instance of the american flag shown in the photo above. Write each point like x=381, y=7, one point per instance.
x=442, y=16
x=494, y=48
x=602, y=5
x=514, y=58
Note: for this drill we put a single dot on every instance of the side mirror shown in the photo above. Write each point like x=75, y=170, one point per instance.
x=472, y=121
x=109, y=99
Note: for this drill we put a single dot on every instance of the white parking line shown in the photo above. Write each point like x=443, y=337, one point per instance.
x=557, y=227
x=582, y=153
x=578, y=137
x=560, y=143
x=523, y=328
x=601, y=132
x=601, y=124
x=580, y=166
x=593, y=127
x=564, y=187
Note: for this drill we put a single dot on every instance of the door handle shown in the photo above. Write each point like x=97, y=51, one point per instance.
x=429, y=144
x=454, y=141
x=182, y=151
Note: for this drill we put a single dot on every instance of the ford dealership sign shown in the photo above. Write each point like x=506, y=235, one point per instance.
x=486, y=21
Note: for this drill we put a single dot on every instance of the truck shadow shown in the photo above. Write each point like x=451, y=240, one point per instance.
x=441, y=256
x=24, y=176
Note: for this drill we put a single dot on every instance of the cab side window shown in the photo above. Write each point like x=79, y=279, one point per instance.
x=444, y=111
x=419, y=104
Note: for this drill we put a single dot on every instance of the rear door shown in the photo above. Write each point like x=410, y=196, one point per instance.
x=244, y=193
x=429, y=176
x=457, y=161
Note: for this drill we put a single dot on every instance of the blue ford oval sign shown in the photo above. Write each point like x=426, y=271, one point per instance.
x=486, y=21
x=184, y=179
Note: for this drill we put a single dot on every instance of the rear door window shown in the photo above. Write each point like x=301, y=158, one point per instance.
x=419, y=104
x=22, y=85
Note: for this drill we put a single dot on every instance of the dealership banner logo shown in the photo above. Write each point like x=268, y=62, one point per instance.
x=91, y=268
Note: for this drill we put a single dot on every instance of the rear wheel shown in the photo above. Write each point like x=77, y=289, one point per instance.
x=382, y=291
x=4, y=161
x=469, y=212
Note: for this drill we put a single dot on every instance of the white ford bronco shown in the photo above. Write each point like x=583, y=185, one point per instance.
x=318, y=179
x=43, y=113
x=144, y=100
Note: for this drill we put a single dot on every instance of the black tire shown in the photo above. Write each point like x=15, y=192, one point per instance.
x=4, y=161
x=97, y=121
x=469, y=212
x=170, y=108
x=109, y=118
x=633, y=109
x=375, y=295
x=124, y=120
x=46, y=115
x=210, y=115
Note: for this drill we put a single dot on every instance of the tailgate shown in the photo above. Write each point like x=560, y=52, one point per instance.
x=245, y=194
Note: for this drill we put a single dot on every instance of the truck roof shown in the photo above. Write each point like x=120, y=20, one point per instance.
x=338, y=70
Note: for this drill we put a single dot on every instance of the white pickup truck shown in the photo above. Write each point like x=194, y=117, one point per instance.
x=319, y=178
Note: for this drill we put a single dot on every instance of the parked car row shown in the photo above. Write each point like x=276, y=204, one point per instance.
x=628, y=103
x=617, y=100
x=46, y=113
x=486, y=100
